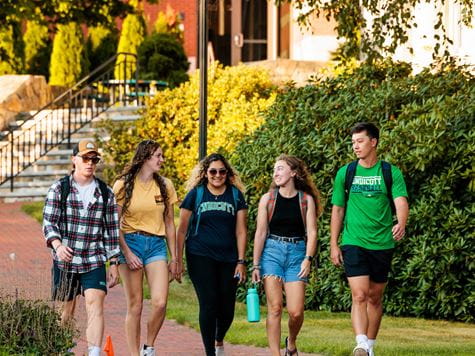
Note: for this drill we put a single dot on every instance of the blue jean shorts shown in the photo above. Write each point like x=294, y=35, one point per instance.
x=283, y=260
x=146, y=247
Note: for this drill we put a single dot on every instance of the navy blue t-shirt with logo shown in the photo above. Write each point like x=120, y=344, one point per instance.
x=216, y=237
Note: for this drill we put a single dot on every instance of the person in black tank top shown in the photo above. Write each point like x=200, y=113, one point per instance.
x=284, y=246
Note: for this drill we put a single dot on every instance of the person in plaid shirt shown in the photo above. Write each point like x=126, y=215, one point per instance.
x=82, y=241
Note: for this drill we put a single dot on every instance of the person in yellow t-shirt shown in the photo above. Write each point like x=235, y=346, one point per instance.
x=145, y=202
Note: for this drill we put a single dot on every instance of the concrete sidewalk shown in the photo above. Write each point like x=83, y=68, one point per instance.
x=25, y=269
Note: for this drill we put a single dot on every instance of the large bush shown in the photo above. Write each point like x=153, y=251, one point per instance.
x=101, y=45
x=12, y=49
x=68, y=61
x=38, y=47
x=162, y=57
x=236, y=98
x=427, y=129
x=32, y=328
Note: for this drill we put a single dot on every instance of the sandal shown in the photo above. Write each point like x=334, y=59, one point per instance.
x=290, y=352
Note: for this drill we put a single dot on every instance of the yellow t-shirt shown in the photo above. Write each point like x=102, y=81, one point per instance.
x=145, y=211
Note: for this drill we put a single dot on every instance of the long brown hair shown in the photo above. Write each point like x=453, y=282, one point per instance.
x=302, y=179
x=198, y=174
x=143, y=152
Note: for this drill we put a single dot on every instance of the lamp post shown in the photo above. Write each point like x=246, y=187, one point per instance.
x=203, y=63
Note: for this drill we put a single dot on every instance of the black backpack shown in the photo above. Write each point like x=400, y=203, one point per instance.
x=387, y=176
x=66, y=188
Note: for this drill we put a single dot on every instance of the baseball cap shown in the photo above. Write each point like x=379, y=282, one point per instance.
x=85, y=146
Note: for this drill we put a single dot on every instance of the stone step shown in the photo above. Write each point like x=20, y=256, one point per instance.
x=47, y=173
x=24, y=195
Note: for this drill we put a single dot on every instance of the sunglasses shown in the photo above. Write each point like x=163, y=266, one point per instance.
x=93, y=159
x=214, y=171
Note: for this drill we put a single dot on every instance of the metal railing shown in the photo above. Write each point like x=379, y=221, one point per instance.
x=57, y=121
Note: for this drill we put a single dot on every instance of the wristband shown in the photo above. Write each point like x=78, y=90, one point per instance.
x=114, y=263
x=310, y=258
x=241, y=262
x=258, y=267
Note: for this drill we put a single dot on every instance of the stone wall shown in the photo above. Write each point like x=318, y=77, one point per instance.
x=21, y=93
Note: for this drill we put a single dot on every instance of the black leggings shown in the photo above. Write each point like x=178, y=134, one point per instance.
x=215, y=287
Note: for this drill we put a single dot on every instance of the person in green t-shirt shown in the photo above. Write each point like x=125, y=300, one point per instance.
x=366, y=218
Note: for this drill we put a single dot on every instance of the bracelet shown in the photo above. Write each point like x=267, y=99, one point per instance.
x=258, y=267
x=241, y=262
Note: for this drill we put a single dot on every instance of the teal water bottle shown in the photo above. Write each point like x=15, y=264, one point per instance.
x=252, y=301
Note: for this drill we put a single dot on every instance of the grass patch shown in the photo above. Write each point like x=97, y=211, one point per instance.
x=324, y=332
x=331, y=334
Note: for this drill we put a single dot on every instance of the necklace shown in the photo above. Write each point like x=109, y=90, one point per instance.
x=216, y=196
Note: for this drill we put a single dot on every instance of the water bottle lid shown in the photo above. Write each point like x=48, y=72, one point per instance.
x=252, y=290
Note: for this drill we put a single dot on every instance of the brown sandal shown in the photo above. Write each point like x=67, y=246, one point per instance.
x=290, y=352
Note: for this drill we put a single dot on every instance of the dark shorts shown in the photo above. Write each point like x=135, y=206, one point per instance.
x=359, y=261
x=67, y=285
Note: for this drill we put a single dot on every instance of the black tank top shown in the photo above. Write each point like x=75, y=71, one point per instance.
x=287, y=218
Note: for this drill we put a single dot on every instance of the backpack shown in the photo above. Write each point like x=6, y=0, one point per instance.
x=302, y=200
x=66, y=188
x=387, y=176
x=196, y=213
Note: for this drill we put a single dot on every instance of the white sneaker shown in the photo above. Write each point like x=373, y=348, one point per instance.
x=360, y=350
x=371, y=352
x=149, y=351
x=220, y=351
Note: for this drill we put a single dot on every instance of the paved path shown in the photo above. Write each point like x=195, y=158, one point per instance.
x=25, y=265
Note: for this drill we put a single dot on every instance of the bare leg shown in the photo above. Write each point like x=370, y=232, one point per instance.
x=132, y=280
x=375, y=308
x=157, y=277
x=359, y=293
x=67, y=311
x=273, y=288
x=295, y=297
x=95, y=316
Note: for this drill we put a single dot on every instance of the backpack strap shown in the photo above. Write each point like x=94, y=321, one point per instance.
x=303, y=201
x=388, y=181
x=271, y=203
x=65, y=189
x=235, y=197
x=196, y=212
x=350, y=175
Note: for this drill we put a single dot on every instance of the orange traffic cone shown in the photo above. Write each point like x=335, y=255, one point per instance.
x=108, y=348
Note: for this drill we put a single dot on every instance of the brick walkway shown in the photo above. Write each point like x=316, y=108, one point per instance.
x=25, y=265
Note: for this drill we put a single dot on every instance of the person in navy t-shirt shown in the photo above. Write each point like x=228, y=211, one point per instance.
x=216, y=239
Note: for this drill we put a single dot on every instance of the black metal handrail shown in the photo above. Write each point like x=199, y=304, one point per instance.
x=69, y=112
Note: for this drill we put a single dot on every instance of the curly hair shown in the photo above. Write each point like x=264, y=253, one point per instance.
x=198, y=174
x=143, y=152
x=302, y=179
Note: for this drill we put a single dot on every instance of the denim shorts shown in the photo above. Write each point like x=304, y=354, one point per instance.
x=283, y=260
x=148, y=248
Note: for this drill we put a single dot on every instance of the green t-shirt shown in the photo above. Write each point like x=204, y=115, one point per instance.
x=368, y=217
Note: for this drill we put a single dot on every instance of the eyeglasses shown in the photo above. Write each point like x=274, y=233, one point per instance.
x=214, y=171
x=93, y=159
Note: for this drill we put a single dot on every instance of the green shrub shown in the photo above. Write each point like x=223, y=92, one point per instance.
x=33, y=328
x=236, y=97
x=162, y=57
x=12, y=49
x=101, y=45
x=132, y=35
x=37, y=49
x=68, y=61
x=427, y=129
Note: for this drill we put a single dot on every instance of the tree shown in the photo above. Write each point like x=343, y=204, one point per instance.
x=67, y=60
x=38, y=47
x=101, y=45
x=12, y=51
x=389, y=29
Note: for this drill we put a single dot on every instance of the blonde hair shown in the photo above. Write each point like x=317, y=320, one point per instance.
x=198, y=173
x=302, y=179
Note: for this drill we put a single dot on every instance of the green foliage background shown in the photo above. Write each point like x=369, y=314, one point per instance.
x=12, y=49
x=427, y=125
x=101, y=44
x=67, y=59
x=38, y=48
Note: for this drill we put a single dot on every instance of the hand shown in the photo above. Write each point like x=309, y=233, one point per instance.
x=172, y=267
x=336, y=256
x=398, y=232
x=112, y=276
x=64, y=253
x=256, y=275
x=305, y=267
x=240, y=271
x=133, y=261
x=179, y=271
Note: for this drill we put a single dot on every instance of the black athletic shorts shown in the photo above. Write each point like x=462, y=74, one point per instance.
x=359, y=261
x=67, y=285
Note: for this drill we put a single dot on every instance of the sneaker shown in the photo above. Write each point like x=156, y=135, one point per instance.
x=371, y=352
x=220, y=351
x=149, y=351
x=360, y=350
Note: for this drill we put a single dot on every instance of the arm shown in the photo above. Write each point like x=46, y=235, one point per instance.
x=185, y=216
x=402, y=213
x=132, y=260
x=338, y=213
x=111, y=239
x=311, y=223
x=170, y=233
x=241, y=237
x=260, y=236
